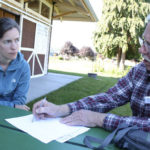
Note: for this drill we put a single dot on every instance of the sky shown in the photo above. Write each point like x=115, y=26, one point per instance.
x=79, y=33
x=97, y=6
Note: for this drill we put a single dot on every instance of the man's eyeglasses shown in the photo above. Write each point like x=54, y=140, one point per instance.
x=142, y=41
x=146, y=44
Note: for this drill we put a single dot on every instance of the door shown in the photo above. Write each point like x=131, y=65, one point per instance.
x=35, y=45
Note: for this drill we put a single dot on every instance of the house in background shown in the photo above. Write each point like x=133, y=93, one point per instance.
x=35, y=18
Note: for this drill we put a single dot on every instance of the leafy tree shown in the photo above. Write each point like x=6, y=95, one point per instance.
x=87, y=52
x=69, y=49
x=118, y=29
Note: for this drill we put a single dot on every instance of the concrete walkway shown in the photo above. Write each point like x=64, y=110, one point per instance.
x=43, y=85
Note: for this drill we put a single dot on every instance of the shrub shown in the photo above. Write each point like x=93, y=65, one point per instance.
x=60, y=58
x=87, y=52
x=69, y=49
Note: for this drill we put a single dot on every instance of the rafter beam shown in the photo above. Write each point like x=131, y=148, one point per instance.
x=61, y=1
x=50, y=1
x=75, y=19
x=85, y=6
x=72, y=3
x=64, y=14
x=57, y=11
x=73, y=8
x=28, y=1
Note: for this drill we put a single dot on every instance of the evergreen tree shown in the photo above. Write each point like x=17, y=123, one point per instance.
x=121, y=24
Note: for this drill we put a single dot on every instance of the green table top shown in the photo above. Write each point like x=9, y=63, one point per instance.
x=13, y=139
x=95, y=132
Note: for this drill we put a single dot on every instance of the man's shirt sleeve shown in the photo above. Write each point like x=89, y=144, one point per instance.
x=116, y=96
x=111, y=122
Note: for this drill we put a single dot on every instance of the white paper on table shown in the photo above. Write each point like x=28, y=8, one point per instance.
x=71, y=135
x=48, y=129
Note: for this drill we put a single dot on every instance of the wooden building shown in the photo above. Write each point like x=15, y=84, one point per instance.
x=35, y=19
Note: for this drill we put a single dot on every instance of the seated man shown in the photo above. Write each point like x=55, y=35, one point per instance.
x=91, y=111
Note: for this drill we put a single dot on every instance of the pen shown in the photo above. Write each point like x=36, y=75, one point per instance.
x=42, y=103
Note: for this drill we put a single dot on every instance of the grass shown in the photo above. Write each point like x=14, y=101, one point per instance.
x=106, y=67
x=81, y=88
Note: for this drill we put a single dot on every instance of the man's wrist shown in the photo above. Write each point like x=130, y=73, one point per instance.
x=64, y=110
x=100, y=119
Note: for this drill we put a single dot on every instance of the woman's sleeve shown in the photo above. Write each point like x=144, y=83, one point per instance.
x=20, y=94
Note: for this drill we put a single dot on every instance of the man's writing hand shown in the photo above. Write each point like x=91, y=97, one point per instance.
x=48, y=110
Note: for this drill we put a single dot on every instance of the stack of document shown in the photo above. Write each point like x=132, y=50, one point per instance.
x=47, y=130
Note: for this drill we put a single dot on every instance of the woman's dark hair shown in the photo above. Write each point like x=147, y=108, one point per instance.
x=7, y=24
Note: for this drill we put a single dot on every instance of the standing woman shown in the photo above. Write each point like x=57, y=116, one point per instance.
x=14, y=70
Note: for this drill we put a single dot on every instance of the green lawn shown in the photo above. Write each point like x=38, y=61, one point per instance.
x=82, y=88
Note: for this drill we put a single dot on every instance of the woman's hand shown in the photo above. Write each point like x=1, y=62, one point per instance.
x=24, y=107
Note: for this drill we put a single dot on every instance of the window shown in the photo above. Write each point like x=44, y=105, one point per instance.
x=45, y=10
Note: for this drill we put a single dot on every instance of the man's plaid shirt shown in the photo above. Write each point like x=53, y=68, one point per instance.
x=133, y=88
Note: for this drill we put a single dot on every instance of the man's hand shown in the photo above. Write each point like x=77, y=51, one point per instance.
x=45, y=109
x=85, y=118
x=24, y=107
